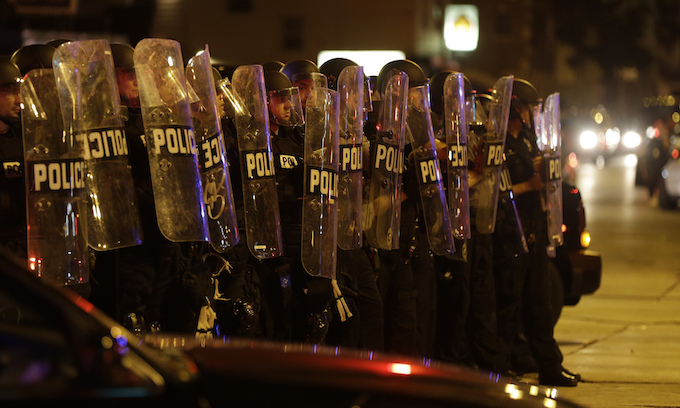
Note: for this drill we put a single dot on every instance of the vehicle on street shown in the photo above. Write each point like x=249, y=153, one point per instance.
x=577, y=269
x=57, y=349
x=580, y=268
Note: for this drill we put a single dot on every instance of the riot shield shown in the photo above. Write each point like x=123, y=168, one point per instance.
x=537, y=124
x=56, y=204
x=456, y=127
x=350, y=187
x=217, y=192
x=387, y=165
x=91, y=112
x=170, y=140
x=553, y=168
x=232, y=103
x=494, y=143
x=319, y=202
x=514, y=237
x=319, y=80
x=260, y=199
x=428, y=173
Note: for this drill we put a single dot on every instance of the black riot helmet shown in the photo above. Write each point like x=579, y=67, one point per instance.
x=283, y=100
x=416, y=76
x=57, y=42
x=272, y=66
x=9, y=72
x=33, y=56
x=299, y=69
x=276, y=81
x=524, y=91
x=123, y=56
x=525, y=102
x=437, y=90
x=333, y=68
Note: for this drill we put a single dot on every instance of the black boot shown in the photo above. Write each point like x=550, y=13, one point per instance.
x=557, y=379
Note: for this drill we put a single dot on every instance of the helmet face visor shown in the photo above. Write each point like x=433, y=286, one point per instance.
x=285, y=107
x=231, y=105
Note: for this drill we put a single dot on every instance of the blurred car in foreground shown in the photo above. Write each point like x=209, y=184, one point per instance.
x=56, y=349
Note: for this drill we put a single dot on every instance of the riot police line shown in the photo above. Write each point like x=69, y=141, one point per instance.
x=301, y=203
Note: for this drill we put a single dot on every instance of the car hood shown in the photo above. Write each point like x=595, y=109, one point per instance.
x=337, y=368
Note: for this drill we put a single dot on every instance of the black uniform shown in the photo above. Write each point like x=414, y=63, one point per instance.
x=13, y=188
x=531, y=269
x=306, y=299
x=135, y=280
x=238, y=304
x=476, y=342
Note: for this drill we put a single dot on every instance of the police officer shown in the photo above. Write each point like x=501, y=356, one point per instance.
x=453, y=273
x=237, y=300
x=355, y=274
x=131, y=284
x=406, y=274
x=300, y=73
x=12, y=180
x=472, y=281
x=306, y=299
x=525, y=162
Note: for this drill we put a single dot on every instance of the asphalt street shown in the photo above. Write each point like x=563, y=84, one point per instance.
x=625, y=339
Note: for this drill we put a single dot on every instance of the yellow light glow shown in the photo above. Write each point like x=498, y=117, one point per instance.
x=585, y=239
x=400, y=368
x=598, y=118
x=461, y=27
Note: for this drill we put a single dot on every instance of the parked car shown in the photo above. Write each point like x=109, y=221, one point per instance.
x=579, y=268
x=57, y=349
x=669, y=185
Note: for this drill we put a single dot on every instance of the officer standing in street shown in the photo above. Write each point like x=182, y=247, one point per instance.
x=355, y=274
x=12, y=180
x=310, y=296
x=525, y=165
x=404, y=274
x=131, y=283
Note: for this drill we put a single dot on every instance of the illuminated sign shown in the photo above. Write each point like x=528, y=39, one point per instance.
x=461, y=27
x=371, y=60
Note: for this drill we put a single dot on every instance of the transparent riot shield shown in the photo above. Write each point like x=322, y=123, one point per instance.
x=170, y=140
x=428, y=172
x=456, y=127
x=319, y=80
x=553, y=167
x=514, y=232
x=232, y=103
x=537, y=124
x=91, y=111
x=319, y=202
x=350, y=187
x=387, y=165
x=217, y=192
x=494, y=143
x=56, y=201
x=260, y=199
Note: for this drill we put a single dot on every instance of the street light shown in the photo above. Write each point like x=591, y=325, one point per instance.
x=461, y=27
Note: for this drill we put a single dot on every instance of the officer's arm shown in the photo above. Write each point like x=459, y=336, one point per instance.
x=533, y=184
